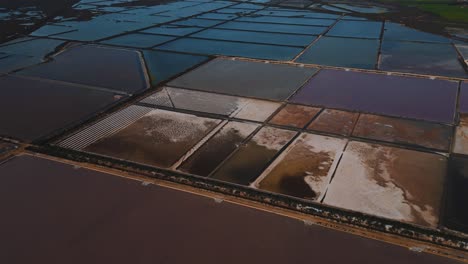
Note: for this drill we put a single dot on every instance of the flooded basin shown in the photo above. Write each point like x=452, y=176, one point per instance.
x=31, y=109
x=172, y=30
x=463, y=98
x=25, y=52
x=363, y=8
x=294, y=115
x=463, y=50
x=61, y=186
x=305, y=168
x=286, y=12
x=158, y=138
x=394, y=183
x=248, y=162
x=50, y=30
x=231, y=48
x=274, y=28
x=117, y=69
x=238, y=11
x=138, y=40
x=219, y=16
x=287, y=20
x=164, y=65
x=331, y=8
x=460, y=144
x=10, y=63
x=356, y=29
x=216, y=149
x=426, y=99
x=101, y=25
x=425, y=134
x=50, y=204
x=35, y=47
x=244, y=78
x=198, y=22
x=94, y=29
x=256, y=37
x=249, y=6
x=456, y=215
x=242, y=93
x=426, y=58
x=296, y=3
x=344, y=52
x=395, y=31
x=335, y=122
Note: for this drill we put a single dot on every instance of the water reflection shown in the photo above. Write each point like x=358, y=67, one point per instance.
x=349, y=34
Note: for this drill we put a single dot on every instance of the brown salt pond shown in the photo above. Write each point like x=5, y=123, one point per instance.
x=294, y=116
x=425, y=134
x=305, y=168
x=460, y=145
x=248, y=162
x=334, y=122
x=463, y=98
x=399, y=184
x=158, y=138
x=456, y=215
x=216, y=149
x=104, y=128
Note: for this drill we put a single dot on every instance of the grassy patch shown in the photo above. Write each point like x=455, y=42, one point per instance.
x=447, y=9
x=450, y=12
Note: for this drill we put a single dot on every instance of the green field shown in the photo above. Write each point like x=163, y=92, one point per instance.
x=448, y=10
x=456, y=13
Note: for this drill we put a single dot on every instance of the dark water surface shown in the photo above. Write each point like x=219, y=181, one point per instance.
x=120, y=220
